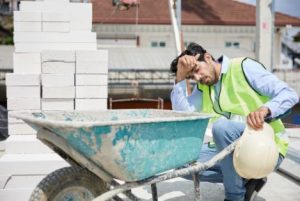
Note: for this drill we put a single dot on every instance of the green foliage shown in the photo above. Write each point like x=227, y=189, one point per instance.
x=9, y=40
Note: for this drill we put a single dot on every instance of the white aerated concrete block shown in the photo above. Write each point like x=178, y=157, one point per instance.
x=91, y=91
x=58, y=67
x=91, y=79
x=44, y=6
x=89, y=67
x=85, y=11
x=25, y=144
x=98, y=55
x=56, y=27
x=14, y=79
x=38, y=47
x=58, y=55
x=28, y=26
x=59, y=92
x=24, y=104
x=81, y=25
x=23, y=92
x=55, y=17
x=92, y=61
x=57, y=80
x=91, y=104
x=20, y=129
x=27, y=62
x=31, y=6
x=55, y=37
x=33, y=164
x=57, y=104
x=20, y=16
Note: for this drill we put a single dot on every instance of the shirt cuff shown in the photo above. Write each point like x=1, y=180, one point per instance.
x=272, y=107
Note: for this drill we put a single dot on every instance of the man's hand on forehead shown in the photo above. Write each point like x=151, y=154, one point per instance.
x=186, y=65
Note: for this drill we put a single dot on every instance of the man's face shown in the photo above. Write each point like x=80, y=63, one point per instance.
x=204, y=73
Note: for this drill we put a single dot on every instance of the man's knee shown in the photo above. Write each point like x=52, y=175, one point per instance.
x=219, y=128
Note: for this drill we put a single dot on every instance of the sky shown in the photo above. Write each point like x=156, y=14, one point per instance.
x=289, y=7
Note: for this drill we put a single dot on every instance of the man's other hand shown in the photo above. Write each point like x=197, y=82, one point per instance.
x=256, y=119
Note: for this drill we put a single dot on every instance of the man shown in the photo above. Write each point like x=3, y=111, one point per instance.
x=237, y=91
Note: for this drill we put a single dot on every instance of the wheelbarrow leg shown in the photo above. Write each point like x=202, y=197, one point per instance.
x=196, y=186
x=154, y=192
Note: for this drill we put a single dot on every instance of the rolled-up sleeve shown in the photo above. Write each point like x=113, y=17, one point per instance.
x=282, y=97
x=182, y=102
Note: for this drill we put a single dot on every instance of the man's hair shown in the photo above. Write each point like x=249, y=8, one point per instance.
x=193, y=49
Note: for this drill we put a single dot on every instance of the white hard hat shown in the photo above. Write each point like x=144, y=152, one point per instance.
x=256, y=153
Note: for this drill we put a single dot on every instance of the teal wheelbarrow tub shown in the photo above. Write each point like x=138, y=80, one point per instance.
x=128, y=145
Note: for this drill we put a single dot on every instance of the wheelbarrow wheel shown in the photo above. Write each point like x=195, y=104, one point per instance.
x=69, y=183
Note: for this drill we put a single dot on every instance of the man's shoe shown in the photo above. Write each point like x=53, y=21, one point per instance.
x=253, y=186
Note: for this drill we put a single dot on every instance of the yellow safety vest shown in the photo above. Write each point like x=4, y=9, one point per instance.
x=238, y=97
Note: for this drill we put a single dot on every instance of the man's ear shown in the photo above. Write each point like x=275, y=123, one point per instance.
x=207, y=57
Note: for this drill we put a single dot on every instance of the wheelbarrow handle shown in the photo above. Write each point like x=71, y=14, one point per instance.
x=197, y=167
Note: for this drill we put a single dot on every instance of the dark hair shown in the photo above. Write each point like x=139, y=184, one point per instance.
x=193, y=49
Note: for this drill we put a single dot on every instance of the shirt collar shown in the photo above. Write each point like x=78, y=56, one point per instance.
x=224, y=61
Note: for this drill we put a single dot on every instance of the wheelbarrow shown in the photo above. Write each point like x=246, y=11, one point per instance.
x=138, y=147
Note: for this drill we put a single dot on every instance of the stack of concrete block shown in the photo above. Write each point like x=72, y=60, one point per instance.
x=42, y=29
x=53, y=25
x=58, y=71
x=91, y=80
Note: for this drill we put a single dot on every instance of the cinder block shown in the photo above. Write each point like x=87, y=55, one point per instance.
x=90, y=104
x=91, y=91
x=23, y=92
x=57, y=104
x=28, y=26
x=58, y=55
x=44, y=6
x=27, y=62
x=14, y=79
x=32, y=164
x=58, y=67
x=81, y=25
x=30, y=6
x=24, y=104
x=91, y=79
x=55, y=17
x=57, y=80
x=85, y=10
x=59, y=92
x=38, y=47
x=20, y=16
x=86, y=55
x=55, y=37
x=56, y=27
x=20, y=129
x=89, y=67
x=25, y=144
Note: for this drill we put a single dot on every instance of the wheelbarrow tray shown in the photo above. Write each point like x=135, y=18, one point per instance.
x=130, y=145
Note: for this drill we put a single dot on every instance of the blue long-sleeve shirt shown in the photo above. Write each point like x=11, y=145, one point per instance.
x=282, y=97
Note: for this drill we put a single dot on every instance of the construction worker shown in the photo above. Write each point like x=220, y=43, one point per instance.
x=236, y=91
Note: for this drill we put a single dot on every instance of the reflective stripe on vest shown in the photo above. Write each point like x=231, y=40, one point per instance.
x=239, y=98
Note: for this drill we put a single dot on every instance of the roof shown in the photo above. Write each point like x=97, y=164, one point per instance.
x=194, y=12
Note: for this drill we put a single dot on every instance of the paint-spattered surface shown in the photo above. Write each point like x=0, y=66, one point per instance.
x=129, y=144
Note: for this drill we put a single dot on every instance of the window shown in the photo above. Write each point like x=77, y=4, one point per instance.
x=236, y=44
x=227, y=44
x=154, y=44
x=158, y=44
x=232, y=44
x=162, y=44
